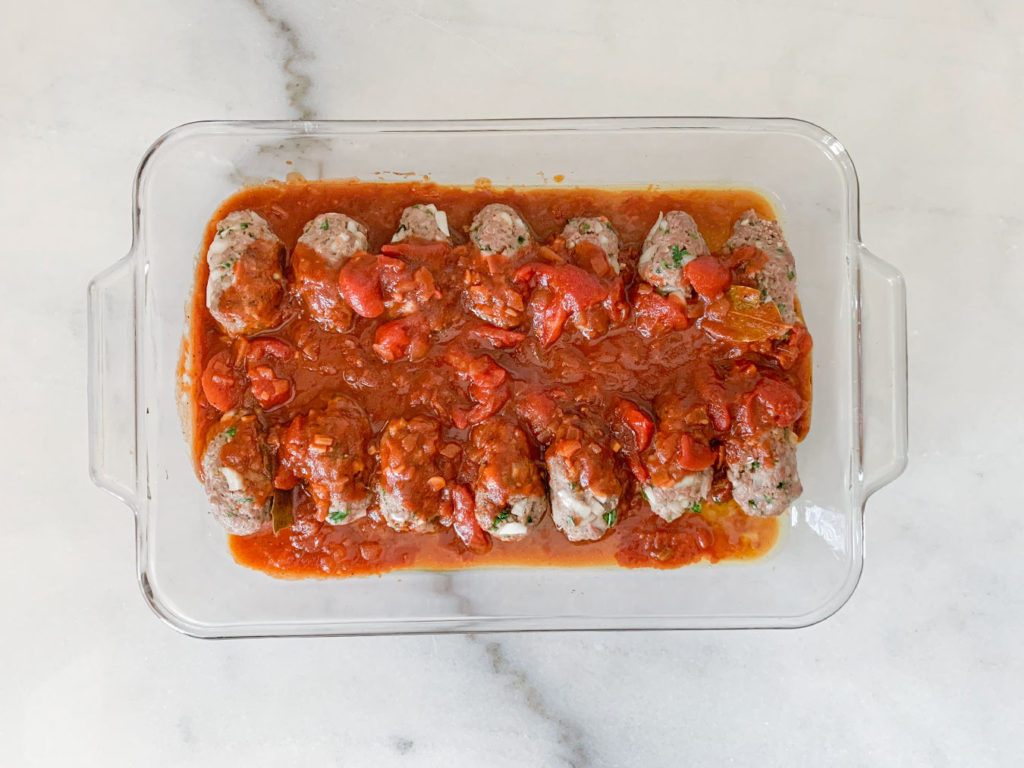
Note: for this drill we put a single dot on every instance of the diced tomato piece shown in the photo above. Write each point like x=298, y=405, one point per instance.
x=656, y=314
x=694, y=456
x=359, y=283
x=501, y=338
x=268, y=347
x=616, y=303
x=465, y=523
x=638, y=422
x=708, y=276
x=538, y=410
x=406, y=337
x=575, y=288
x=223, y=384
x=591, y=255
x=713, y=393
x=782, y=402
x=267, y=387
x=424, y=252
x=636, y=466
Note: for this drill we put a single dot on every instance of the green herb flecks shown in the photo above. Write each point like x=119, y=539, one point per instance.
x=696, y=507
x=764, y=295
x=231, y=432
x=325, y=225
x=782, y=484
x=755, y=464
x=678, y=254
x=643, y=492
x=248, y=500
x=522, y=239
x=501, y=517
x=244, y=225
x=610, y=517
x=584, y=227
x=337, y=515
x=790, y=275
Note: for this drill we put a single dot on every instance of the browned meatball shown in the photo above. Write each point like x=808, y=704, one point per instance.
x=236, y=474
x=510, y=496
x=417, y=470
x=328, y=449
x=246, y=284
x=327, y=242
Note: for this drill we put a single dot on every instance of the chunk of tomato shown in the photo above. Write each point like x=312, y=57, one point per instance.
x=708, y=276
x=782, y=401
x=359, y=283
x=464, y=521
x=638, y=423
x=223, y=384
x=694, y=456
x=268, y=388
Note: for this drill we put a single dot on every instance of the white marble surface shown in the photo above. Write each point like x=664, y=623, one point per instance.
x=922, y=667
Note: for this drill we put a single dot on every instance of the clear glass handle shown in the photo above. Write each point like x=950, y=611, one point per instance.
x=112, y=433
x=882, y=332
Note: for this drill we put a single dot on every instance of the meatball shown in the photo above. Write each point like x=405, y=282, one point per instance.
x=236, y=474
x=777, y=278
x=246, y=283
x=423, y=222
x=678, y=463
x=328, y=449
x=510, y=496
x=672, y=243
x=763, y=473
x=684, y=495
x=416, y=469
x=334, y=237
x=598, y=231
x=498, y=228
x=325, y=244
x=583, y=478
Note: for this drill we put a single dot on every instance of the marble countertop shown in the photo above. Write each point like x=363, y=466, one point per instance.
x=922, y=667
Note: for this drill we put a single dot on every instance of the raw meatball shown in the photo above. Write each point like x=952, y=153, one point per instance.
x=500, y=229
x=510, y=496
x=416, y=469
x=583, y=478
x=236, y=475
x=672, y=243
x=597, y=230
x=328, y=449
x=763, y=473
x=777, y=278
x=246, y=283
x=327, y=242
x=670, y=487
x=423, y=222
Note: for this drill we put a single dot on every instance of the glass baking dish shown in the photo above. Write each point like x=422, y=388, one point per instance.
x=853, y=302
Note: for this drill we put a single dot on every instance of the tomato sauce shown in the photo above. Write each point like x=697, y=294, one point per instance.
x=621, y=363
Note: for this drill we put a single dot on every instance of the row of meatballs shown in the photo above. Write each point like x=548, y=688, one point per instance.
x=415, y=479
x=409, y=474
x=246, y=283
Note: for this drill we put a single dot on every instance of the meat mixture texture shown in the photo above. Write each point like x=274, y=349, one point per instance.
x=410, y=375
